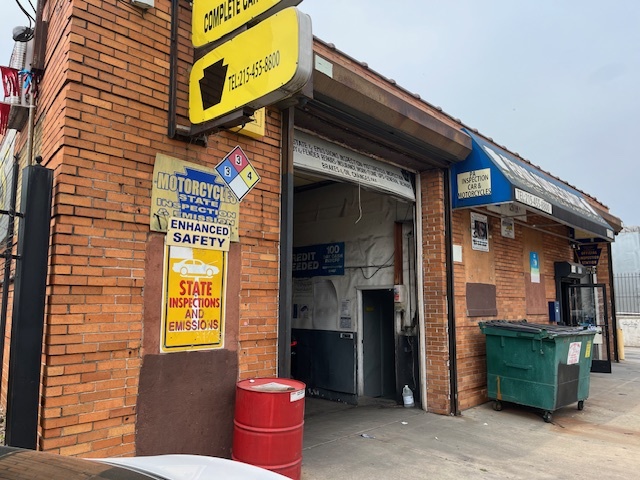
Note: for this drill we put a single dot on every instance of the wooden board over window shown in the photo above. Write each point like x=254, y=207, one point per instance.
x=481, y=300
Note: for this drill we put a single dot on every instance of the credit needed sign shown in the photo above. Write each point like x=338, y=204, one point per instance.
x=193, y=317
x=258, y=67
x=320, y=260
x=212, y=19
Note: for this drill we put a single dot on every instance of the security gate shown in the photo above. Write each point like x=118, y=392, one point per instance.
x=8, y=214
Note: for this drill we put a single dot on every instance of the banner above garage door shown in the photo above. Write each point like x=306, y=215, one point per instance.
x=491, y=175
x=322, y=157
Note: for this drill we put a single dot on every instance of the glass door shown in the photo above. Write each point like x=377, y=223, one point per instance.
x=588, y=308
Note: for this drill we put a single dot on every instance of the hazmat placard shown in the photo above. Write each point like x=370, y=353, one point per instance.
x=238, y=173
x=193, y=313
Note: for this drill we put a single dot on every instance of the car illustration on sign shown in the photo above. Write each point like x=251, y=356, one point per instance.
x=195, y=268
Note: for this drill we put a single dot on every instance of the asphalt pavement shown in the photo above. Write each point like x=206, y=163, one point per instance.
x=385, y=441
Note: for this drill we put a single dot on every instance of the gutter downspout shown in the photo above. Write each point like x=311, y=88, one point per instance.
x=453, y=363
x=420, y=282
x=173, y=68
x=612, y=295
x=30, y=130
x=286, y=246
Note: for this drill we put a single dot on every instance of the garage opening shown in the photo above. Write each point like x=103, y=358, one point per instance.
x=354, y=326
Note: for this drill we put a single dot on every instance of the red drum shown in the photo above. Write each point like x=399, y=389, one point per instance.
x=268, y=424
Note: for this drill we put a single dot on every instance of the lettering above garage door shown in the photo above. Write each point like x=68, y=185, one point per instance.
x=320, y=156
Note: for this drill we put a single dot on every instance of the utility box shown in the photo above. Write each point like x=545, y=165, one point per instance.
x=541, y=366
x=554, y=312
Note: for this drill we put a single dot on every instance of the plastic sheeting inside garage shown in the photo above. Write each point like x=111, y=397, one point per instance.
x=332, y=312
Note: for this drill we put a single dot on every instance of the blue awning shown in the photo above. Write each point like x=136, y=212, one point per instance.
x=492, y=176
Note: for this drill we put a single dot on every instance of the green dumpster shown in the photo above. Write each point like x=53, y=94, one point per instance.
x=541, y=366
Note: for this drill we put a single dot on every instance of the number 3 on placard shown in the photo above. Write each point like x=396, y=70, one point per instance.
x=227, y=171
x=238, y=160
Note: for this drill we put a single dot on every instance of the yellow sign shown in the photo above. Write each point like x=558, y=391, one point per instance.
x=587, y=351
x=475, y=183
x=212, y=19
x=255, y=128
x=192, y=192
x=258, y=67
x=193, y=317
x=191, y=233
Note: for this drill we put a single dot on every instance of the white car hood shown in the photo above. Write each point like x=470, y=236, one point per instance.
x=193, y=467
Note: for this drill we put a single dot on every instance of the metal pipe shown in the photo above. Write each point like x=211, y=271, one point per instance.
x=612, y=294
x=453, y=350
x=32, y=107
x=173, y=68
x=420, y=281
x=285, y=310
x=30, y=129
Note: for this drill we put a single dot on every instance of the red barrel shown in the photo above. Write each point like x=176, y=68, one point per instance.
x=268, y=424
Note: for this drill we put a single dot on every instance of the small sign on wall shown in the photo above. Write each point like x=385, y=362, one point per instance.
x=507, y=228
x=193, y=313
x=476, y=183
x=534, y=263
x=479, y=232
x=192, y=192
x=191, y=233
x=589, y=255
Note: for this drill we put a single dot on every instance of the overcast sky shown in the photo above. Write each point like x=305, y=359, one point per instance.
x=555, y=80
x=11, y=16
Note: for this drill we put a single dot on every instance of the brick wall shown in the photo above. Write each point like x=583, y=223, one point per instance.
x=103, y=117
x=435, y=292
x=510, y=273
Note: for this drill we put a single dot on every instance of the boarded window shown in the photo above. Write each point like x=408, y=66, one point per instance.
x=481, y=300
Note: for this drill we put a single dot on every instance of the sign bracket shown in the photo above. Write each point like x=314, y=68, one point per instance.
x=238, y=117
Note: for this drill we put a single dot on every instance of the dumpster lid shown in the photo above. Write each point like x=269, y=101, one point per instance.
x=533, y=328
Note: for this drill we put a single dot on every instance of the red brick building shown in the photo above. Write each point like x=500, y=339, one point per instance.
x=353, y=164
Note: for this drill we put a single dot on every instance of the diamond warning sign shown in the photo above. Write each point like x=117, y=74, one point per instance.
x=238, y=173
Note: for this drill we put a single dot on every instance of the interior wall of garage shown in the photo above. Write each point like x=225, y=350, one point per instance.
x=362, y=219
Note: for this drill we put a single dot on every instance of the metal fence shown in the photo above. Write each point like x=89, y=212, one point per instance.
x=627, y=288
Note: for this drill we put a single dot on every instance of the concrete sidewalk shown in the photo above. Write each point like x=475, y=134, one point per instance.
x=393, y=442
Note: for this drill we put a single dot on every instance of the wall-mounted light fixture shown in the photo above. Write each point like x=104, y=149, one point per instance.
x=22, y=34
